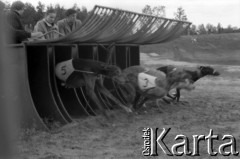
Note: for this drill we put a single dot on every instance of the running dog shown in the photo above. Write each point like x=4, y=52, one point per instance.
x=193, y=76
x=146, y=83
x=76, y=73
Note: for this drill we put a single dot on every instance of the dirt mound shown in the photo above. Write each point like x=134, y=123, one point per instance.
x=211, y=49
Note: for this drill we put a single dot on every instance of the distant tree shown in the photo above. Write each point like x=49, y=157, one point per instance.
x=235, y=29
x=180, y=14
x=40, y=7
x=28, y=17
x=219, y=28
x=158, y=11
x=39, y=11
x=229, y=29
x=82, y=14
x=7, y=5
x=211, y=29
x=75, y=7
x=147, y=10
x=193, y=29
x=214, y=30
x=50, y=7
x=208, y=28
x=201, y=29
x=60, y=12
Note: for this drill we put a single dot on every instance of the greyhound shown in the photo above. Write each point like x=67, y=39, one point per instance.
x=75, y=73
x=146, y=83
x=193, y=76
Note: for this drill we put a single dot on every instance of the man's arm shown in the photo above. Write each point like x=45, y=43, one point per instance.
x=60, y=27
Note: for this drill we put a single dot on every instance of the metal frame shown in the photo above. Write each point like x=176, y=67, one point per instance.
x=45, y=98
x=108, y=35
x=107, y=25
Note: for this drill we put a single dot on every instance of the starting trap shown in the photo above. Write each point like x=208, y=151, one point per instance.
x=108, y=35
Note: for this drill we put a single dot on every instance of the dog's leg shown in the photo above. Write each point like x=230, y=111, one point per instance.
x=170, y=96
x=129, y=93
x=103, y=90
x=166, y=101
x=141, y=101
x=90, y=84
x=174, y=95
x=136, y=100
x=159, y=106
x=178, y=94
x=156, y=92
x=150, y=93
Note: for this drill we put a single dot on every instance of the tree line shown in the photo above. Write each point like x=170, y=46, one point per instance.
x=211, y=29
x=33, y=14
x=160, y=11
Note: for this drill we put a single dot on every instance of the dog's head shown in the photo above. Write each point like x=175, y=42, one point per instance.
x=207, y=70
x=115, y=73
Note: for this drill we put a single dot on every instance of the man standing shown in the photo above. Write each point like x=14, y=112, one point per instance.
x=70, y=23
x=47, y=25
x=16, y=27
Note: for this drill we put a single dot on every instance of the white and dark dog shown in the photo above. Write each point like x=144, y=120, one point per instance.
x=146, y=83
x=75, y=73
x=193, y=75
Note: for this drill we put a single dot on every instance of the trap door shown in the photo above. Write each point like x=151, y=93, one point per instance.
x=97, y=53
x=106, y=54
x=68, y=96
x=54, y=85
x=41, y=86
x=87, y=51
x=125, y=56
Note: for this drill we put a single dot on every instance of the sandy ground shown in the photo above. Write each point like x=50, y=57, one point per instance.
x=214, y=104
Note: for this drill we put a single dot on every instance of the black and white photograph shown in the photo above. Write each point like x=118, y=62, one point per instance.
x=129, y=79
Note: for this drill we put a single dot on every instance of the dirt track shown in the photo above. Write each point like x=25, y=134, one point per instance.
x=214, y=104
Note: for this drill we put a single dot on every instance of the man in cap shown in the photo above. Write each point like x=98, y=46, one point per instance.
x=70, y=23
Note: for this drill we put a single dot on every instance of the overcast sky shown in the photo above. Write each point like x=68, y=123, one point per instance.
x=226, y=12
